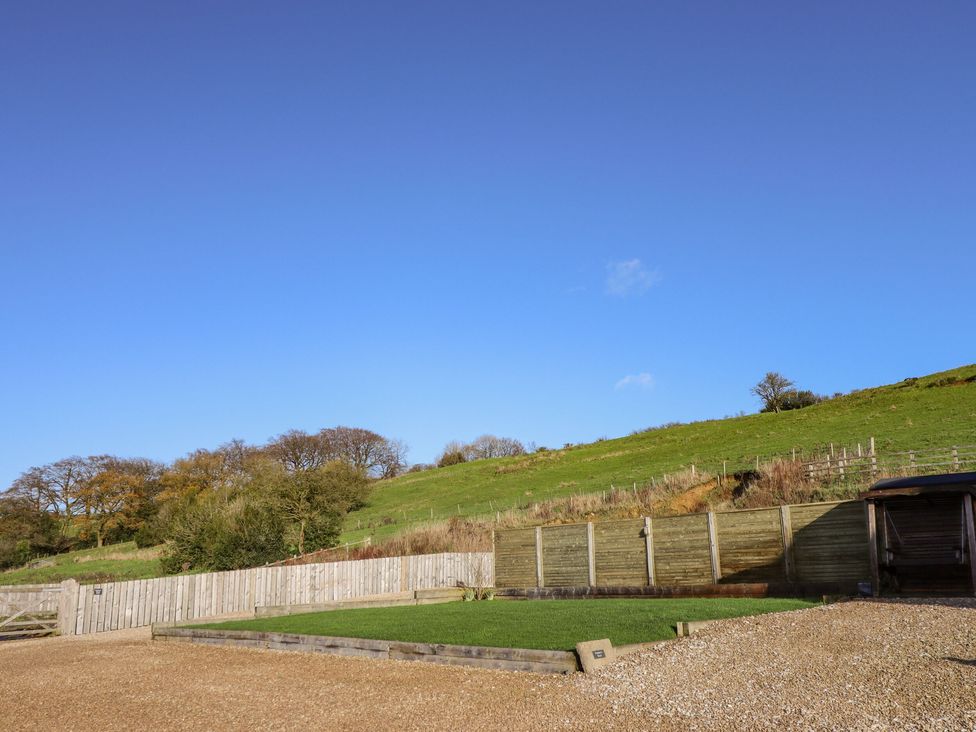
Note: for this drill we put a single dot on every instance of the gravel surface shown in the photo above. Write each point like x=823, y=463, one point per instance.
x=871, y=665
x=858, y=665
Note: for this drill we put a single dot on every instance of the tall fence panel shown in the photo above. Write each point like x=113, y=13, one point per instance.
x=817, y=543
x=136, y=603
x=681, y=550
x=620, y=553
x=751, y=546
x=830, y=542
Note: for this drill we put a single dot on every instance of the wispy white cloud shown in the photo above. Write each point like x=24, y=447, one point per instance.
x=629, y=277
x=642, y=380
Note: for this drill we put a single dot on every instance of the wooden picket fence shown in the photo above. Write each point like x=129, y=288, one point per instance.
x=182, y=598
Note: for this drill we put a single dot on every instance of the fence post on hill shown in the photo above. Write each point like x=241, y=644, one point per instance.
x=649, y=549
x=911, y=460
x=713, y=547
x=590, y=554
x=786, y=527
x=539, y=577
x=68, y=607
x=955, y=458
x=874, y=458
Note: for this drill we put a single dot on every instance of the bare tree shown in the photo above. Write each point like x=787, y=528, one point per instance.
x=490, y=446
x=365, y=450
x=773, y=390
x=297, y=450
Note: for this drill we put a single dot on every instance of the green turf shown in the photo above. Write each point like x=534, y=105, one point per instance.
x=107, y=564
x=900, y=417
x=544, y=624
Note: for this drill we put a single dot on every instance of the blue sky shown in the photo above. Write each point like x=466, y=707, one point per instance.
x=550, y=220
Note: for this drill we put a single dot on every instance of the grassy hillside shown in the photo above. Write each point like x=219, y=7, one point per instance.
x=932, y=411
x=110, y=563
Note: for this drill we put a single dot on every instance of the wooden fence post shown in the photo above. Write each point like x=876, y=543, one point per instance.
x=786, y=527
x=874, y=458
x=873, y=548
x=539, y=576
x=911, y=459
x=649, y=549
x=713, y=547
x=955, y=457
x=405, y=569
x=967, y=508
x=590, y=553
x=68, y=607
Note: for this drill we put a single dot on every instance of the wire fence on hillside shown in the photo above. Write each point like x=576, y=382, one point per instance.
x=829, y=462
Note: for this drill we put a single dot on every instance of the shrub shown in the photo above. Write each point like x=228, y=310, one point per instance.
x=218, y=535
x=452, y=457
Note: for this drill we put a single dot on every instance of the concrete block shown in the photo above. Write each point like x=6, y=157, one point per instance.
x=690, y=628
x=594, y=655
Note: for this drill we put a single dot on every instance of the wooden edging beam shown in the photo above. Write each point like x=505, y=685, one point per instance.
x=507, y=659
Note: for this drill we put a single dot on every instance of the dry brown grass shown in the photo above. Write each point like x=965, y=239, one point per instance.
x=784, y=482
x=153, y=552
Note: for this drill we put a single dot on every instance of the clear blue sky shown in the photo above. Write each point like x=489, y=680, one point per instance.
x=548, y=220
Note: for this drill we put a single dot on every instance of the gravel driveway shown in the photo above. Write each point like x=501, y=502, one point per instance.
x=858, y=665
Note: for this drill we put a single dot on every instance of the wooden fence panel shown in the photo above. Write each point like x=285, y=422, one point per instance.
x=681, y=550
x=830, y=542
x=115, y=605
x=620, y=553
x=515, y=558
x=565, y=556
x=751, y=546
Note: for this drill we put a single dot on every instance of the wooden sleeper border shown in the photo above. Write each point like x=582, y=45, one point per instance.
x=505, y=659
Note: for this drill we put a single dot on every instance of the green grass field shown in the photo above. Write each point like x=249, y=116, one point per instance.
x=108, y=564
x=899, y=416
x=543, y=624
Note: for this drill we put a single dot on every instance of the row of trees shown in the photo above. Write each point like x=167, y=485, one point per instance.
x=235, y=506
x=486, y=446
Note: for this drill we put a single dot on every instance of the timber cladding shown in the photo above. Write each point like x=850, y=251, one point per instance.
x=825, y=543
x=620, y=553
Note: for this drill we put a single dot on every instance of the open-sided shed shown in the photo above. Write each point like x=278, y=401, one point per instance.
x=922, y=534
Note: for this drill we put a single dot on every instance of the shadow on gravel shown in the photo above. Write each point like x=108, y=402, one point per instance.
x=963, y=661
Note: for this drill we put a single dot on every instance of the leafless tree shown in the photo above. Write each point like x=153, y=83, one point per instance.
x=773, y=390
x=365, y=450
x=297, y=450
x=490, y=446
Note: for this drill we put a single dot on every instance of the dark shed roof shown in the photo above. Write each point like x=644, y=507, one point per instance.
x=923, y=484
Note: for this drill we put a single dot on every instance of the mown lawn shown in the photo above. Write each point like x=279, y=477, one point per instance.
x=938, y=410
x=108, y=564
x=543, y=624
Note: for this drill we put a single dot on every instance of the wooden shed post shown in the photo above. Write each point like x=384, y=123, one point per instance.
x=786, y=527
x=649, y=548
x=713, y=547
x=539, y=575
x=873, y=548
x=967, y=507
x=590, y=553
